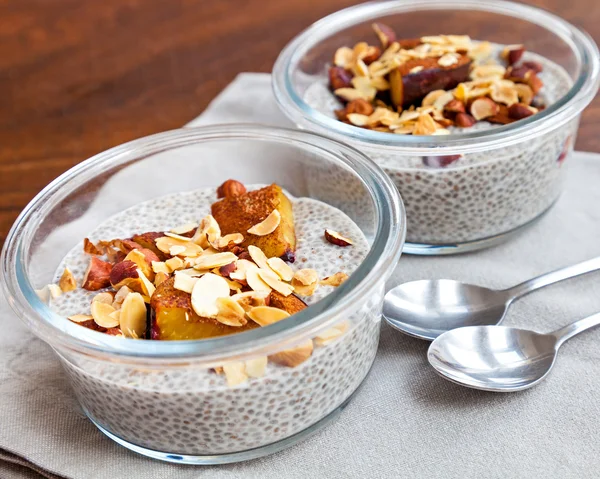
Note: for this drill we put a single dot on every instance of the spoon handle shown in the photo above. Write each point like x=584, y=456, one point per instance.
x=553, y=277
x=575, y=328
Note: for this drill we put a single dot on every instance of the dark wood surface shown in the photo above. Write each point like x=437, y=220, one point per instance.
x=80, y=76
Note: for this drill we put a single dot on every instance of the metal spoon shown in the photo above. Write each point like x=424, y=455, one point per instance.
x=499, y=358
x=427, y=308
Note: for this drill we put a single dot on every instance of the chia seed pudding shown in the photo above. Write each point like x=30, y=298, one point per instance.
x=458, y=198
x=186, y=407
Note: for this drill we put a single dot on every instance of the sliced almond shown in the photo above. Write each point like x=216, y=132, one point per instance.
x=227, y=240
x=357, y=119
x=205, y=293
x=272, y=279
x=230, y=312
x=185, y=239
x=208, y=232
x=105, y=297
x=306, y=276
x=235, y=373
x=147, y=286
x=505, y=94
x=234, y=285
x=265, y=315
x=282, y=269
x=214, y=260
x=43, y=293
x=334, y=280
x=337, y=239
x=330, y=335
x=185, y=228
x=54, y=290
x=488, y=71
x=432, y=96
x=184, y=282
x=350, y=94
x=80, y=318
x=174, y=264
x=101, y=313
x=295, y=356
x=448, y=59
x=304, y=290
x=178, y=247
x=192, y=272
x=255, y=368
x=425, y=125
x=251, y=299
x=240, y=273
x=120, y=297
x=67, y=281
x=133, y=316
x=258, y=256
x=255, y=281
x=161, y=267
x=343, y=57
x=266, y=226
x=160, y=278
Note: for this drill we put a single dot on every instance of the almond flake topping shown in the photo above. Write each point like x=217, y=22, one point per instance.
x=331, y=334
x=205, y=293
x=225, y=241
x=255, y=281
x=80, y=318
x=334, y=280
x=132, y=317
x=67, y=281
x=214, y=260
x=266, y=226
x=101, y=313
x=185, y=228
x=184, y=282
x=240, y=273
x=272, y=279
x=251, y=299
x=160, y=267
x=120, y=297
x=235, y=373
x=230, y=312
x=281, y=268
x=265, y=315
x=179, y=237
x=104, y=297
x=174, y=264
x=166, y=244
x=208, y=232
x=258, y=256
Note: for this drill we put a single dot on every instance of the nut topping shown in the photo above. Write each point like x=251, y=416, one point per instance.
x=235, y=373
x=255, y=281
x=265, y=315
x=337, y=239
x=214, y=260
x=184, y=282
x=483, y=108
x=208, y=232
x=272, y=279
x=295, y=356
x=67, y=281
x=101, y=313
x=205, y=293
x=230, y=188
x=230, y=312
x=335, y=280
x=281, y=268
x=256, y=367
x=80, y=318
x=132, y=317
x=178, y=247
x=266, y=226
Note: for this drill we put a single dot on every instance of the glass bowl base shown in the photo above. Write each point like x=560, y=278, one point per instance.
x=424, y=249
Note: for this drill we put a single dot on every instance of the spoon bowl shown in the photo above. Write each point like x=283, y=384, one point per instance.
x=494, y=358
x=427, y=308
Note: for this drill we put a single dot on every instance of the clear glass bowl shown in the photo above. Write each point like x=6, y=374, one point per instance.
x=160, y=398
x=505, y=177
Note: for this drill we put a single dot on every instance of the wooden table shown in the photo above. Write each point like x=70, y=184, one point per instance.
x=79, y=76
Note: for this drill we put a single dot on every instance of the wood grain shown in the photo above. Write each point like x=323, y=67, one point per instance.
x=78, y=77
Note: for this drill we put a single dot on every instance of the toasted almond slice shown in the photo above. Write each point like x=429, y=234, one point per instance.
x=160, y=278
x=258, y=256
x=295, y=356
x=116, y=315
x=256, y=367
x=147, y=286
x=358, y=119
x=185, y=239
x=281, y=268
x=235, y=373
x=166, y=245
x=230, y=312
x=266, y=226
x=227, y=240
x=350, y=94
x=54, y=290
x=174, y=264
x=138, y=258
x=255, y=281
x=214, y=260
x=448, y=59
x=330, y=335
x=251, y=299
x=105, y=297
x=161, y=267
x=120, y=297
x=343, y=57
x=240, y=273
x=337, y=239
x=272, y=279
x=192, y=272
x=185, y=228
x=101, y=314
x=334, y=280
x=304, y=290
x=133, y=316
x=234, y=285
x=205, y=293
x=208, y=232
x=67, y=281
x=306, y=276
x=265, y=315
x=184, y=282
x=80, y=318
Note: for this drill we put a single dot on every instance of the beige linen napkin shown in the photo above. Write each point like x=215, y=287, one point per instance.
x=406, y=421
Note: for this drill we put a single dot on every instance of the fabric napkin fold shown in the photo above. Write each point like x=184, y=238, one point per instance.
x=406, y=421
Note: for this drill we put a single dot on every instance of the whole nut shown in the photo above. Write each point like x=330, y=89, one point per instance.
x=517, y=74
x=464, y=120
x=230, y=188
x=483, y=107
x=339, y=78
x=535, y=66
x=360, y=106
x=534, y=82
x=455, y=106
x=513, y=53
x=518, y=111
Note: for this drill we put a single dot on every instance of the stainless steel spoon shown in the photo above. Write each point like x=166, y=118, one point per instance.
x=427, y=308
x=499, y=358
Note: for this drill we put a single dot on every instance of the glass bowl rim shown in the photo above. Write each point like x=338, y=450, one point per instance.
x=571, y=104
x=379, y=262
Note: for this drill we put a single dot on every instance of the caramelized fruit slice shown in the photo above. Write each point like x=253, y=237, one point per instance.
x=240, y=213
x=174, y=319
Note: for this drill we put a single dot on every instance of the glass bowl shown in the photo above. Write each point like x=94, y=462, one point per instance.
x=162, y=398
x=495, y=180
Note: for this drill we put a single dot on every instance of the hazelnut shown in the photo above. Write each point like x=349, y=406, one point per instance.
x=534, y=82
x=230, y=188
x=361, y=106
x=97, y=275
x=518, y=111
x=513, y=53
x=339, y=78
x=373, y=54
x=535, y=66
x=464, y=120
x=90, y=248
x=454, y=106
